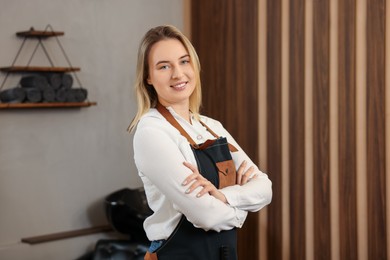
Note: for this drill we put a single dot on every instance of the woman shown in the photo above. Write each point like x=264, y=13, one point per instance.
x=198, y=181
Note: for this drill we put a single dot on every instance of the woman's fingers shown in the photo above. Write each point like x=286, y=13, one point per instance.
x=194, y=185
x=205, y=184
x=193, y=176
x=244, y=175
x=249, y=174
x=240, y=172
x=193, y=168
x=197, y=180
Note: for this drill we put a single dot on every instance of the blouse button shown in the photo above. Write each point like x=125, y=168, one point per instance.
x=199, y=137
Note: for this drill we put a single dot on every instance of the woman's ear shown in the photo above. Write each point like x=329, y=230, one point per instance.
x=149, y=81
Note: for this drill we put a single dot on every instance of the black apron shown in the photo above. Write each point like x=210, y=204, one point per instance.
x=187, y=242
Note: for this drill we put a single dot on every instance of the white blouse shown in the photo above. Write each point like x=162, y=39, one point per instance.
x=159, y=153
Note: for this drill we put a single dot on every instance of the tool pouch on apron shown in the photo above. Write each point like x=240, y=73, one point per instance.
x=219, y=152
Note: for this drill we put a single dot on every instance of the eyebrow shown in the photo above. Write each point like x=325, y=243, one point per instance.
x=165, y=61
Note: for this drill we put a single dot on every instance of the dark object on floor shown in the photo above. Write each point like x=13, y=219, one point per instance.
x=119, y=250
x=126, y=210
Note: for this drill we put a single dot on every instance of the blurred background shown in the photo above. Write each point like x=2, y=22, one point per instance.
x=302, y=85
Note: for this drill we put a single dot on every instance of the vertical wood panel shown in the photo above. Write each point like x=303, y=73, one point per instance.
x=262, y=97
x=376, y=129
x=361, y=129
x=321, y=129
x=274, y=149
x=347, y=129
x=224, y=34
x=387, y=125
x=187, y=18
x=309, y=219
x=334, y=129
x=285, y=55
x=297, y=129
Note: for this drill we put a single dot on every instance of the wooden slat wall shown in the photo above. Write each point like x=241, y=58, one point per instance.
x=325, y=120
x=332, y=160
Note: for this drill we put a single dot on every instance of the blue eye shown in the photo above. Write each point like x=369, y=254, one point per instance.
x=164, y=67
x=185, y=61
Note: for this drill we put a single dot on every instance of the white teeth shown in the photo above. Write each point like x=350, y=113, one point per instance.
x=180, y=85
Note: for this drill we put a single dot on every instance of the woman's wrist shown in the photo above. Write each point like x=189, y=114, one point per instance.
x=219, y=195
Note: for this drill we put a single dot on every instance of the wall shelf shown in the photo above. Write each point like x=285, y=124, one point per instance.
x=67, y=234
x=39, y=36
x=38, y=69
x=47, y=105
x=34, y=33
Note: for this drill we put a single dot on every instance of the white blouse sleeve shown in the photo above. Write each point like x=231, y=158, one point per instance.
x=255, y=194
x=158, y=157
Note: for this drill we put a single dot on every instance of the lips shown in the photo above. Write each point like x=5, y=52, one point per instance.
x=180, y=85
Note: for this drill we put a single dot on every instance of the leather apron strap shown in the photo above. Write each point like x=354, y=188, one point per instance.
x=168, y=116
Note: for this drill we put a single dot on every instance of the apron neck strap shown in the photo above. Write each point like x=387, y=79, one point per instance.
x=208, y=129
x=168, y=116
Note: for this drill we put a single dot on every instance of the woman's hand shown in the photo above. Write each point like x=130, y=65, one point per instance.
x=196, y=180
x=245, y=175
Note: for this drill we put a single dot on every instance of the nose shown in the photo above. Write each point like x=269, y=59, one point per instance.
x=177, y=72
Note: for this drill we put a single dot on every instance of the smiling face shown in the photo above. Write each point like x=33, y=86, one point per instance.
x=171, y=73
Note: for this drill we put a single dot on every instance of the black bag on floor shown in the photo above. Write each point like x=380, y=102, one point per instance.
x=118, y=250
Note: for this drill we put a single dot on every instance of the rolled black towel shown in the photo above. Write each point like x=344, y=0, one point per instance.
x=34, y=81
x=53, y=79
x=13, y=95
x=61, y=95
x=70, y=95
x=33, y=95
x=76, y=95
x=67, y=81
x=48, y=95
x=80, y=94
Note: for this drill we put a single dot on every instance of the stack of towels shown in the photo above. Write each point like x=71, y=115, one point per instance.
x=44, y=87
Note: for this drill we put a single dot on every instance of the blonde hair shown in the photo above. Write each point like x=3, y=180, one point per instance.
x=146, y=94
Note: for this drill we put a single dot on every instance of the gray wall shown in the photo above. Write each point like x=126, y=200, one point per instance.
x=56, y=165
